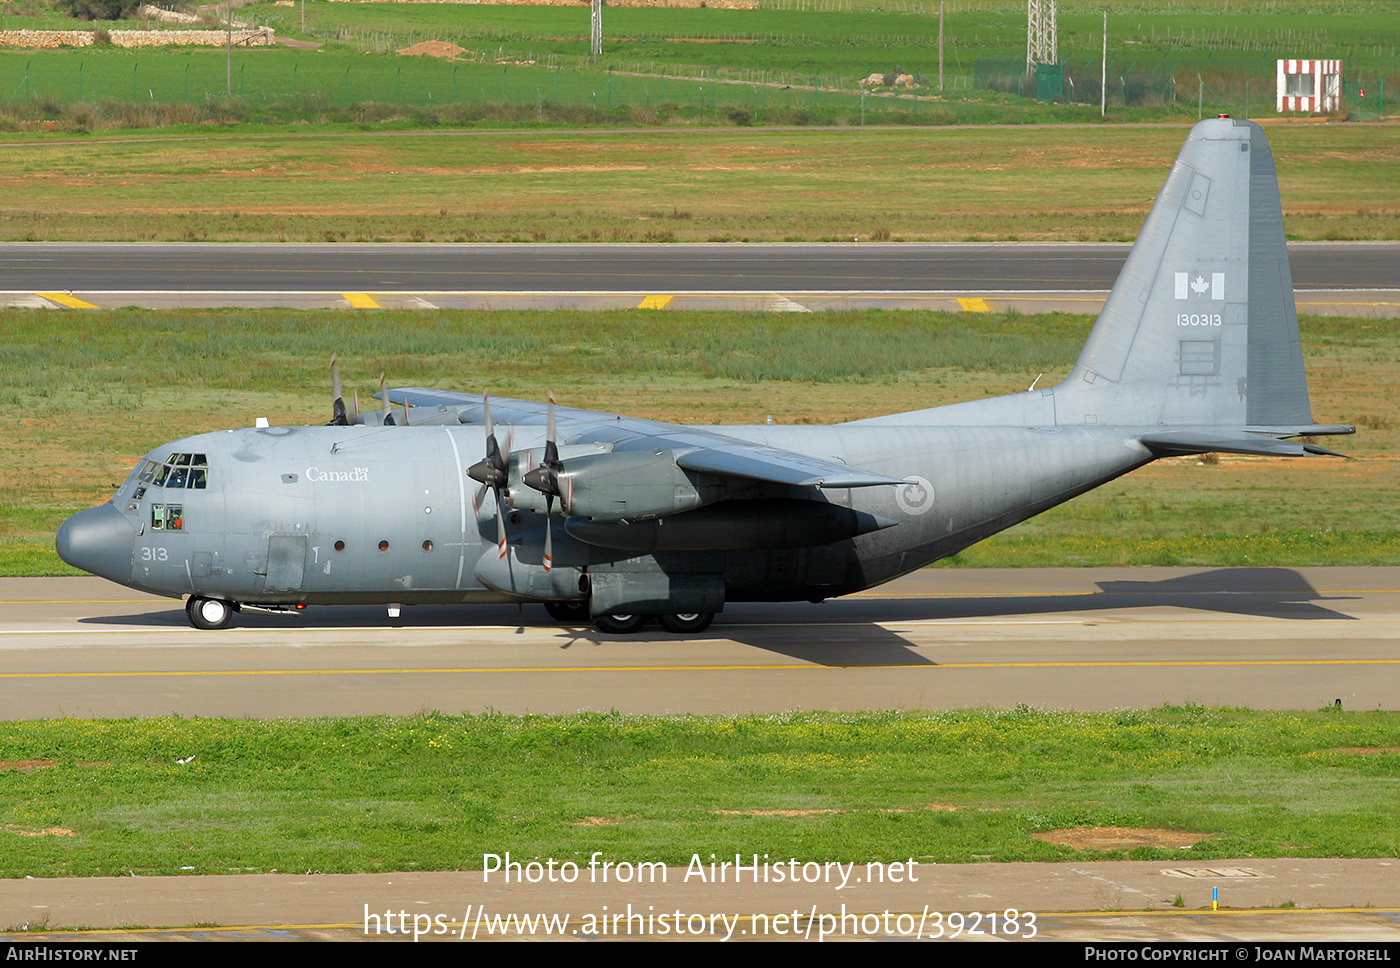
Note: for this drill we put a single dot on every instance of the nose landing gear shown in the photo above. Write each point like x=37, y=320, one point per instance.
x=209, y=613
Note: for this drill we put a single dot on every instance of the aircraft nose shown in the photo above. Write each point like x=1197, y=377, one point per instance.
x=99, y=540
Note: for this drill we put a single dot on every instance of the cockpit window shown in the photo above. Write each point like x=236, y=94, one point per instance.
x=179, y=470
x=167, y=517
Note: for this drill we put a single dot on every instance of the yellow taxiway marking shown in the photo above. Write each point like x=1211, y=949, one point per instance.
x=65, y=299
x=655, y=302
x=720, y=667
x=360, y=300
x=976, y=305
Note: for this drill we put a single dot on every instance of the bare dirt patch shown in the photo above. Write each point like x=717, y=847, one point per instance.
x=46, y=832
x=24, y=766
x=774, y=813
x=1119, y=838
x=434, y=48
x=596, y=822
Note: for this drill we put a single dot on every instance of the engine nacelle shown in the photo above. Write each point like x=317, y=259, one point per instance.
x=520, y=495
x=634, y=486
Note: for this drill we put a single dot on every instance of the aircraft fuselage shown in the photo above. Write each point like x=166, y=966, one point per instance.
x=325, y=515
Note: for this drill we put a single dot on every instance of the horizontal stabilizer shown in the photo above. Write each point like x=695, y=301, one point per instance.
x=1174, y=442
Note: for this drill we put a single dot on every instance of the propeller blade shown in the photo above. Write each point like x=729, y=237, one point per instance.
x=386, y=415
x=548, y=533
x=338, y=417
x=500, y=526
x=491, y=471
x=354, y=414
x=545, y=476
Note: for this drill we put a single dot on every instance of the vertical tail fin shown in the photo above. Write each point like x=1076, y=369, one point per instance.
x=1200, y=328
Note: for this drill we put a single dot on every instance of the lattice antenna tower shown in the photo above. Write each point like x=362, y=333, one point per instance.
x=597, y=33
x=1041, y=36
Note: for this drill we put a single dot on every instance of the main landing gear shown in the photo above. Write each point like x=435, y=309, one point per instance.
x=209, y=613
x=576, y=613
x=684, y=623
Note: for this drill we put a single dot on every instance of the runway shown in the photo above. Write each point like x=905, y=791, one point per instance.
x=1271, y=638
x=1358, y=279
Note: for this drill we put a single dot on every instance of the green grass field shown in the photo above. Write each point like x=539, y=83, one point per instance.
x=88, y=393
x=790, y=64
x=392, y=183
x=435, y=792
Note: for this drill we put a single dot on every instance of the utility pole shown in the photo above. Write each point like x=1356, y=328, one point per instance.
x=1103, y=70
x=228, y=7
x=940, y=45
x=597, y=35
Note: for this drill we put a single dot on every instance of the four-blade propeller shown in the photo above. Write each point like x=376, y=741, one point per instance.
x=492, y=471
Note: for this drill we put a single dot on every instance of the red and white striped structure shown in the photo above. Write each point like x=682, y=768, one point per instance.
x=1309, y=85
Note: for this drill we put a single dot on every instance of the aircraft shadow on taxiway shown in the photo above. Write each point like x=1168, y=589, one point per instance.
x=848, y=631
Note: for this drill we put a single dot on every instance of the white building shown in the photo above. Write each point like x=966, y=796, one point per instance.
x=1309, y=85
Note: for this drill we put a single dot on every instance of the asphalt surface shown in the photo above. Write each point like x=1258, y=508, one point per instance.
x=1286, y=900
x=1269, y=638
x=1078, y=638
x=673, y=267
x=1361, y=278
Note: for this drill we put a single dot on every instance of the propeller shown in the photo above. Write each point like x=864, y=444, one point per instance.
x=493, y=471
x=545, y=479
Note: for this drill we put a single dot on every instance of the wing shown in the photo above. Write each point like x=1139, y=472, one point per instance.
x=703, y=451
x=470, y=408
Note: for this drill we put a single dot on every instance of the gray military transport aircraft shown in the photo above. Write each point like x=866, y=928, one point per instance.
x=621, y=520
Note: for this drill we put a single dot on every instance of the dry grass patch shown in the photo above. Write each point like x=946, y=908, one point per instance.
x=24, y=766
x=1119, y=838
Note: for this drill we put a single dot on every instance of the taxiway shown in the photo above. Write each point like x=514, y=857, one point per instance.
x=1269, y=638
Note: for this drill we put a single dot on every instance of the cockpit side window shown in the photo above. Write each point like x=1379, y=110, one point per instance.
x=167, y=517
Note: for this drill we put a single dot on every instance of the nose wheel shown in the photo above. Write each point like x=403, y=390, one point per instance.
x=209, y=613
